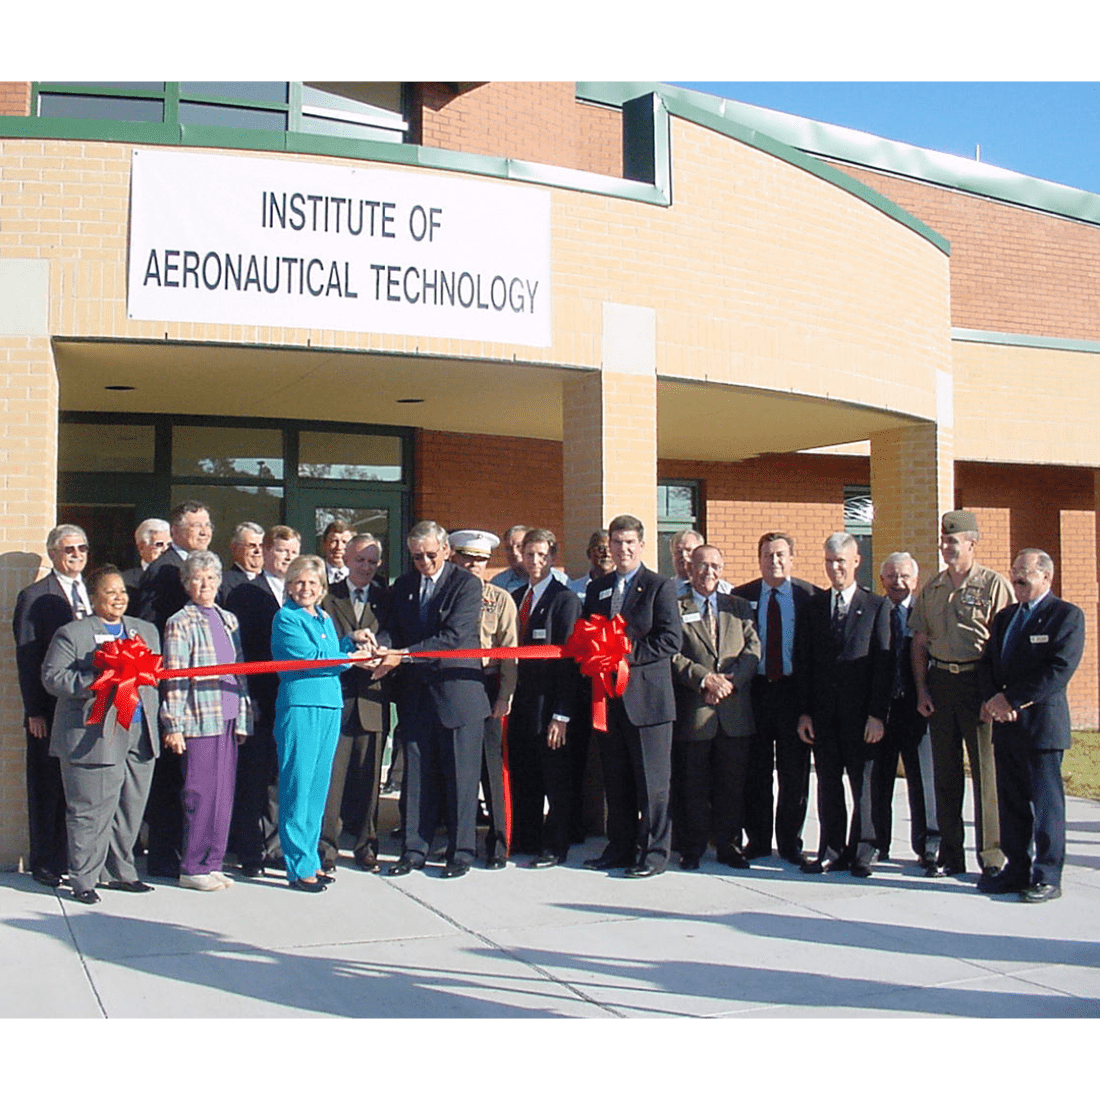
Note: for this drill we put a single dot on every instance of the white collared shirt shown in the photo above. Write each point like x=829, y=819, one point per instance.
x=538, y=591
x=67, y=586
x=278, y=586
x=845, y=597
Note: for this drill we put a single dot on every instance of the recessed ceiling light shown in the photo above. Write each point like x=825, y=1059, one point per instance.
x=118, y=387
x=410, y=400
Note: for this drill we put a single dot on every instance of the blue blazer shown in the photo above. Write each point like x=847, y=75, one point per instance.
x=296, y=635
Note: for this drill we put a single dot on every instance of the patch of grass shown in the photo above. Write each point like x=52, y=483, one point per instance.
x=1081, y=765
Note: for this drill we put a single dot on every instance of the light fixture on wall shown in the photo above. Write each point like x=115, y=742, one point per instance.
x=410, y=400
x=119, y=388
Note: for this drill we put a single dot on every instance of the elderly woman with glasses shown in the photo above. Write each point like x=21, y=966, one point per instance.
x=204, y=720
x=307, y=716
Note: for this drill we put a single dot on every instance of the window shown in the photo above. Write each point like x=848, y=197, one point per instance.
x=677, y=508
x=859, y=515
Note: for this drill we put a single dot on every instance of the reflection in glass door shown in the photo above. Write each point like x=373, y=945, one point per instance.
x=367, y=511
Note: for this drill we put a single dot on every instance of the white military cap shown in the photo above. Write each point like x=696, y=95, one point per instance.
x=474, y=544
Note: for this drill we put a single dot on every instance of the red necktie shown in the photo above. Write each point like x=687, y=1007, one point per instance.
x=525, y=613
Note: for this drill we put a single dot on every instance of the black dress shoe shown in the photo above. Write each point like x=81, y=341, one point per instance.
x=307, y=887
x=1002, y=884
x=86, y=897
x=368, y=862
x=945, y=869
x=46, y=878
x=788, y=855
x=454, y=870
x=861, y=870
x=689, y=863
x=252, y=870
x=927, y=864
x=325, y=880
x=403, y=866
x=546, y=859
x=1041, y=891
x=134, y=887
x=758, y=851
x=328, y=865
x=825, y=866
x=606, y=863
x=735, y=859
x=496, y=863
x=643, y=870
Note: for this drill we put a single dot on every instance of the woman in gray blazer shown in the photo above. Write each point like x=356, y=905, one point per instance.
x=106, y=769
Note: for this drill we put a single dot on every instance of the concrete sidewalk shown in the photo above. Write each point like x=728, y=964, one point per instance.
x=565, y=942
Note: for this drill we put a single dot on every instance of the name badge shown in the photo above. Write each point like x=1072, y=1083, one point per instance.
x=753, y=604
x=605, y=594
x=1039, y=639
x=101, y=639
x=538, y=634
x=692, y=617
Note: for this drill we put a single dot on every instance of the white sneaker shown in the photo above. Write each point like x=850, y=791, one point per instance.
x=201, y=882
x=223, y=878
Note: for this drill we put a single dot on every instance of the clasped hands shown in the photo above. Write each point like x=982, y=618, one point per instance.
x=717, y=687
x=998, y=709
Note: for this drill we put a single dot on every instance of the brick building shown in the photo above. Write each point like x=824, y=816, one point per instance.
x=562, y=302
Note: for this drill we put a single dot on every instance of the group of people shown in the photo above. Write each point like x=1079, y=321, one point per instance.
x=728, y=687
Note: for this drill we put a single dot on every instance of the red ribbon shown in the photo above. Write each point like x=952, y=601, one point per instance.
x=598, y=645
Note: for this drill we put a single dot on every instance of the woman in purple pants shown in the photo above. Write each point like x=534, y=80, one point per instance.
x=204, y=719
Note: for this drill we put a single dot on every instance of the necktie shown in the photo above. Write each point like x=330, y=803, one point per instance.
x=525, y=612
x=897, y=637
x=838, y=620
x=711, y=621
x=358, y=600
x=427, y=585
x=617, y=597
x=77, y=595
x=773, y=658
x=1015, y=629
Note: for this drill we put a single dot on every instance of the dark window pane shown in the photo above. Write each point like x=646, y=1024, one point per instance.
x=264, y=91
x=125, y=85
x=345, y=456
x=232, y=504
x=239, y=118
x=104, y=107
x=105, y=448
x=227, y=452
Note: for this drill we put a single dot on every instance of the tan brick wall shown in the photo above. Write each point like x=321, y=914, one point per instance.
x=539, y=121
x=15, y=97
x=1012, y=269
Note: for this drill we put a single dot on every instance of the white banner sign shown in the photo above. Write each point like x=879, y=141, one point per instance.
x=247, y=241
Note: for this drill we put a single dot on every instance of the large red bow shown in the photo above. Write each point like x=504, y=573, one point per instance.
x=127, y=664
x=600, y=647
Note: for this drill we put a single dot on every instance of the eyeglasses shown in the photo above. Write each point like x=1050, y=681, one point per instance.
x=426, y=555
x=74, y=550
x=159, y=545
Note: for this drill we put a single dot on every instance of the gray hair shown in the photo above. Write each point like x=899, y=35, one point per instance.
x=839, y=541
x=1043, y=561
x=143, y=536
x=250, y=527
x=199, y=560
x=675, y=540
x=366, y=538
x=307, y=563
x=899, y=557
x=428, y=529
x=63, y=531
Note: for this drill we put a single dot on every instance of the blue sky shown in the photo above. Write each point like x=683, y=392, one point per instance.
x=1047, y=129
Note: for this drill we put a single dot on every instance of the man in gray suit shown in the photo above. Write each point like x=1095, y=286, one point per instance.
x=712, y=676
x=106, y=769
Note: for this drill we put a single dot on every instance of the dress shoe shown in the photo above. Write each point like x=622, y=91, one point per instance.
x=252, y=870
x=403, y=866
x=46, y=878
x=643, y=870
x=136, y=886
x=733, y=858
x=367, y=862
x=606, y=863
x=306, y=887
x=689, y=863
x=86, y=897
x=1041, y=891
x=546, y=859
x=325, y=880
x=1002, y=884
x=496, y=863
x=825, y=866
x=926, y=864
x=201, y=882
x=861, y=870
x=454, y=869
x=328, y=865
x=759, y=851
x=788, y=855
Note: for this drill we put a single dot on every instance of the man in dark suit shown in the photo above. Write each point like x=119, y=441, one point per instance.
x=906, y=734
x=151, y=538
x=254, y=832
x=714, y=725
x=41, y=609
x=846, y=695
x=442, y=705
x=781, y=603
x=544, y=707
x=1033, y=651
x=357, y=765
x=247, y=549
x=160, y=595
x=636, y=750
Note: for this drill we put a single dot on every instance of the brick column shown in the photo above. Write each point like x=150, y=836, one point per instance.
x=28, y=506
x=912, y=485
x=609, y=436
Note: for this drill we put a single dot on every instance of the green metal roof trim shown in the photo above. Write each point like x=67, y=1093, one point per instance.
x=1015, y=339
x=840, y=142
x=160, y=133
x=711, y=112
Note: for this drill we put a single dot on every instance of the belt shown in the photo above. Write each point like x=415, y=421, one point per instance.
x=951, y=666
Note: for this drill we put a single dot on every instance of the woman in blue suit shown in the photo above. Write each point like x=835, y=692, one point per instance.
x=307, y=717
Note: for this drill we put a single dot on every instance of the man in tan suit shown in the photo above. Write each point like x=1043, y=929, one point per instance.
x=714, y=724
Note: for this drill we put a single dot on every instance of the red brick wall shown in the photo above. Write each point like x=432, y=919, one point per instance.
x=1012, y=269
x=489, y=482
x=15, y=97
x=539, y=121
